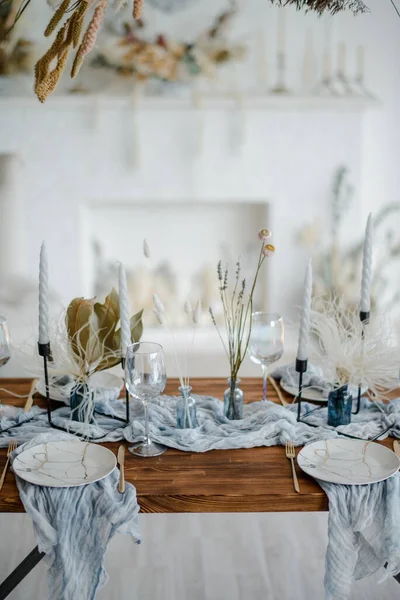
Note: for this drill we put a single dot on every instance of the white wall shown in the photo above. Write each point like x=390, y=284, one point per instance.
x=78, y=152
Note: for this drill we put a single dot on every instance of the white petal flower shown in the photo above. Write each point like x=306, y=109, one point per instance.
x=159, y=306
x=188, y=308
x=160, y=316
x=197, y=313
x=146, y=249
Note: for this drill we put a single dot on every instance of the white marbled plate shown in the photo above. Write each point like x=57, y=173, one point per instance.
x=64, y=464
x=350, y=462
x=315, y=395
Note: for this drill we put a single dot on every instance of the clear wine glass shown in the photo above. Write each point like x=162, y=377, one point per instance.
x=266, y=342
x=145, y=379
x=5, y=343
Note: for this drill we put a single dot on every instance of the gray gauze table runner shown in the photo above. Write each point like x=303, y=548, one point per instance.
x=74, y=525
x=269, y=424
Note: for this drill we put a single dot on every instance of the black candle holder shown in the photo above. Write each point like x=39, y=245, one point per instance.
x=44, y=350
x=301, y=367
x=364, y=318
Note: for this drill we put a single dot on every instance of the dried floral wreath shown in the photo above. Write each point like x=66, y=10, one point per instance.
x=134, y=53
x=72, y=34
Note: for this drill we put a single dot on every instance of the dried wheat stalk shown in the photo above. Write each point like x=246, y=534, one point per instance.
x=68, y=37
x=137, y=9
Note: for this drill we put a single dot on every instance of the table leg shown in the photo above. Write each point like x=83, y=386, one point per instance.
x=23, y=569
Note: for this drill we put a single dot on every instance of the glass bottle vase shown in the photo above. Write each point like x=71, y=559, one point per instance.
x=340, y=403
x=82, y=403
x=233, y=400
x=186, y=417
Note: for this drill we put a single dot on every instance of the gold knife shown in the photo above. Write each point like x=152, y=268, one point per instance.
x=29, y=402
x=274, y=384
x=396, y=447
x=121, y=462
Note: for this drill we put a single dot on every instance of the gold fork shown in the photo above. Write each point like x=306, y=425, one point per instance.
x=11, y=447
x=291, y=454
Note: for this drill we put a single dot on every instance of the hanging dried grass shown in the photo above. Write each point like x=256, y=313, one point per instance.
x=68, y=37
x=89, y=37
x=56, y=18
x=320, y=6
x=137, y=9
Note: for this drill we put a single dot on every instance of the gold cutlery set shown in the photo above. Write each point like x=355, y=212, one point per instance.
x=289, y=449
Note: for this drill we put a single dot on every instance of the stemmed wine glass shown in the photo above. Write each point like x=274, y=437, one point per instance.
x=5, y=349
x=266, y=342
x=5, y=343
x=145, y=379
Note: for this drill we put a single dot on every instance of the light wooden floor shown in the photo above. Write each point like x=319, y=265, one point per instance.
x=203, y=557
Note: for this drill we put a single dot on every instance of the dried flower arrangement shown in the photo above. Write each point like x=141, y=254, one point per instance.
x=73, y=35
x=337, y=266
x=164, y=58
x=186, y=407
x=354, y=353
x=162, y=318
x=320, y=6
x=238, y=308
x=94, y=342
x=84, y=341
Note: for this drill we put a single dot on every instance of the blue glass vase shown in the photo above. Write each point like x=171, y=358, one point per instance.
x=186, y=417
x=81, y=402
x=233, y=400
x=340, y=404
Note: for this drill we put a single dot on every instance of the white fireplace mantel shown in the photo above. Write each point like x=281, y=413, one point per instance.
x=223, y=102
x=82, y=150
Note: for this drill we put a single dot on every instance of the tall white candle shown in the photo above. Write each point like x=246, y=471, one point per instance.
x=365, y=303
x=126, y=339
x=43, y=297
x=304, y=335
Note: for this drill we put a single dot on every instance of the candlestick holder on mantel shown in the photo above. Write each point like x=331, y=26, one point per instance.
x=280, y=87
x=45, y=352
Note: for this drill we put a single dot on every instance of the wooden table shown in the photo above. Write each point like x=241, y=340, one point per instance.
x=245, y=480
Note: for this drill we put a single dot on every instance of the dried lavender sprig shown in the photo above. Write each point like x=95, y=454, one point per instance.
x=219, y=270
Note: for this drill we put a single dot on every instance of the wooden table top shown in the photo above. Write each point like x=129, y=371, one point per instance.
x=244, y=480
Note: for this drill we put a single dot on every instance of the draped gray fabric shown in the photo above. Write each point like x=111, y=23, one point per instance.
x=74, y=525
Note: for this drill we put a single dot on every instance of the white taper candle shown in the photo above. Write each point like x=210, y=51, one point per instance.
x=365, y=303
x=126, y=339
x=304, y=335
x=43, y=297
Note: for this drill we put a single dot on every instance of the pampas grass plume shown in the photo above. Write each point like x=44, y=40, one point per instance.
x=146, y=249
x=158, y=305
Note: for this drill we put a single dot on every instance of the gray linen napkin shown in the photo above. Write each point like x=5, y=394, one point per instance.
x=74, y=525
x=363, y=532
